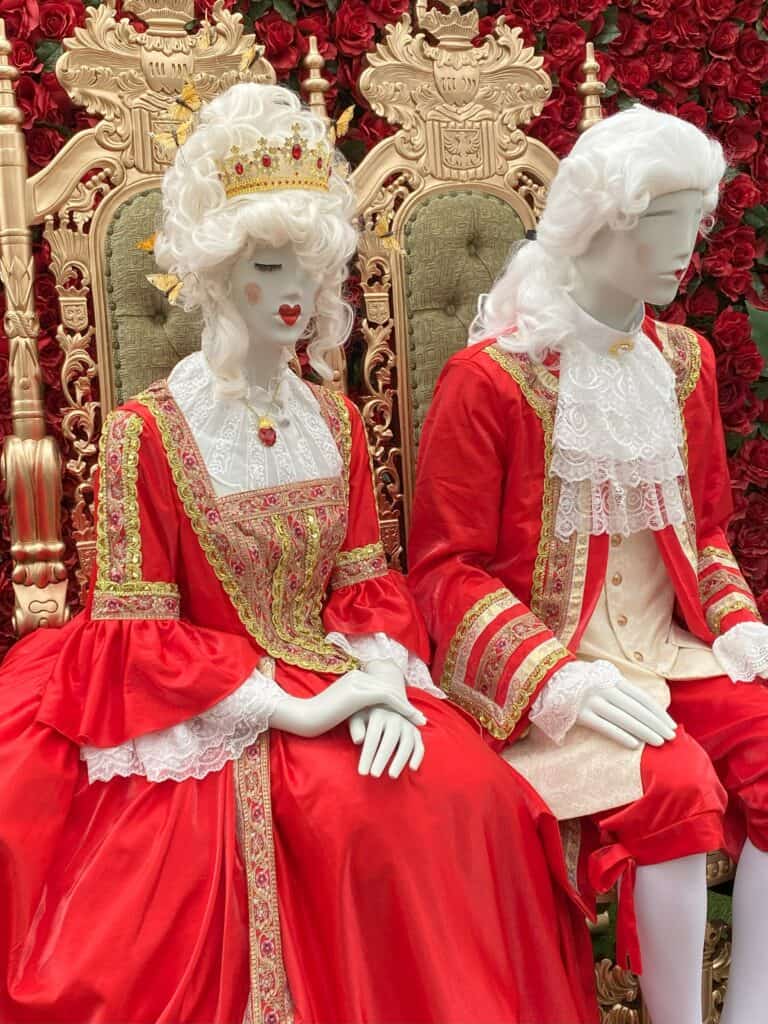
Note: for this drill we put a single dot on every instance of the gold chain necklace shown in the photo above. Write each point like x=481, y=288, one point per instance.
x=267, y=428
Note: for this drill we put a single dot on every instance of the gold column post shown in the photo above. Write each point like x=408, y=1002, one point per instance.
x=30, y=466
x=591, y=90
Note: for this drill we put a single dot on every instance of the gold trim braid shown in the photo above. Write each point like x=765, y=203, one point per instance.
x=118, y=539
x=358, y=565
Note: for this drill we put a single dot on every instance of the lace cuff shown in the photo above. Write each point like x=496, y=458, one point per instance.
x=196, y=747
x=743, y=651
x=559, y=704
x=367, y=647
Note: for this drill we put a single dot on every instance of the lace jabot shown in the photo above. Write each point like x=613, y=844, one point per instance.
x=617, y=434
x=227, y=432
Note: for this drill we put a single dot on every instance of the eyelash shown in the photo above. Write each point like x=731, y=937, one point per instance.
x=268, y=267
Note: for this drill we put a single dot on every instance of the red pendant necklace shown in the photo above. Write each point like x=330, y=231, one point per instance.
x=267, y=428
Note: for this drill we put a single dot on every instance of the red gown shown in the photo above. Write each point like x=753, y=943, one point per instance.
x=283, y=886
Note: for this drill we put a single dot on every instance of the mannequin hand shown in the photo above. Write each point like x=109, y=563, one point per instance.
x=345, y=696
x=383, y=734
x=626, y=715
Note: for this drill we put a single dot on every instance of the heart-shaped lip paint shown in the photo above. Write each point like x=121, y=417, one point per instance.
x=289, y=314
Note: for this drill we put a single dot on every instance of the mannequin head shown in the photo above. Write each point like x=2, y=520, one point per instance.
x=244, y=257
x=621, y=221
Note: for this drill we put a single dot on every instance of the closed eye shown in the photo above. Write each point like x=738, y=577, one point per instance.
x=268, y=267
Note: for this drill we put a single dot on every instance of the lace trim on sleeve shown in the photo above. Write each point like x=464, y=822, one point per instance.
x=559, y=704
x=368, y=647
x=192, y=749
x=743, y=651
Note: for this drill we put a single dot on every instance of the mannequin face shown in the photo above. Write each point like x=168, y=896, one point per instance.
x=273, y=293
x=647, y=262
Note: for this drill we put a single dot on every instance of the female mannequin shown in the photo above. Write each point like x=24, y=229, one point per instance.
x=187, y=832
x=598, y=432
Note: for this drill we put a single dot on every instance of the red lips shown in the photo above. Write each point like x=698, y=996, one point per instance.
x=289, y=314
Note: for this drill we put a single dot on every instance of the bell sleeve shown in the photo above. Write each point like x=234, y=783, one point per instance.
x=370, y=611
x=130, y=665
x=493, y=655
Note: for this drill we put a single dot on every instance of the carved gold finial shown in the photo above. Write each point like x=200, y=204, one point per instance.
x=591, y=89
x=164, y=17
x=9, y=112
x=315, y=85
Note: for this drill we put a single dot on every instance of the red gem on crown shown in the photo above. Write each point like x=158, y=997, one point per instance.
x=266, y=161
x=239, y=168
x=319, y=163
x=296, y=152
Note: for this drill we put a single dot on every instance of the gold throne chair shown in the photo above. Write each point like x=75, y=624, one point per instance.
x=95, y=201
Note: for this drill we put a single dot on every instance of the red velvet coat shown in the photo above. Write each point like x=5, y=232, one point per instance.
x=505, y=600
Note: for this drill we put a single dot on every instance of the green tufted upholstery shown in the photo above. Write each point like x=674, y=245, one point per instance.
x=149, y=336
x=456, y=244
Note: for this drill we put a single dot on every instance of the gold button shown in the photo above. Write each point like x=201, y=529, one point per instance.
x=622, y=620
x=616, y=579
x=638, y=656
x=616, y=540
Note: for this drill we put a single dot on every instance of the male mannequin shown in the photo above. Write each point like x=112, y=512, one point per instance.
x=550, y=592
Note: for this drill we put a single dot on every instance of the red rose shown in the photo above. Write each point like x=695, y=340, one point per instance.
x=22, y=17
x=723, y=111
x=744, y=362
x=737, y=284
x=753, y=461
x=704, y=302
x=354, y=29
x=722, y=41
x=753, y=52
x=281, y=47
x=718, y=74
x=715, y=10
x=633, y=74
x=348, y=74
x=688, y=27
x=761, y=110
x=24, y=57
x=694, y=113
x=384, y=12
x=657, y=58
x=33, y=99
x=318, y=25
x=745, y=88
x=58, y=18
x=739, y=194
x=581, y=10
x=674, y=313
x=748, y=10
x=652, y=8
x=371, y=129
x=731, y=329
x=740, y=139
x=685, y=69
x=632, y=37
x=565, y=40
x=738, y=405
x=538, y=12
x=42, y=146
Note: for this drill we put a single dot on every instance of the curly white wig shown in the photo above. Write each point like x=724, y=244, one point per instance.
x=203, y=232
x=614, y=171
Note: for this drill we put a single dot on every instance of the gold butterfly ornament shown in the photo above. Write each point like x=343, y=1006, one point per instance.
x=169, y=284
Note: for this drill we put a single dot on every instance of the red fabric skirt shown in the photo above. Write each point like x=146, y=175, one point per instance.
x=440, y=897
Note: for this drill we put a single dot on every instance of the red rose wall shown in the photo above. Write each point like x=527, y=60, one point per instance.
x=704, y=60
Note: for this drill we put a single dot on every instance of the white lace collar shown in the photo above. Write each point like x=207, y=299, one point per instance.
x=227, y=433
x=617, y=434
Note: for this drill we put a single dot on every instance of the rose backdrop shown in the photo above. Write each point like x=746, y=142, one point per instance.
x=704, y=60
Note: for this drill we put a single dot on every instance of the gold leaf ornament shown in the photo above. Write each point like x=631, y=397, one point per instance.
x=343, y=121
x=169, y=284
x=249, y=57
x=147, y=244
x=382, y=231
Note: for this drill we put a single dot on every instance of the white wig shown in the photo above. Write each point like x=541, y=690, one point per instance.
x=614, y=171
x=203, y=232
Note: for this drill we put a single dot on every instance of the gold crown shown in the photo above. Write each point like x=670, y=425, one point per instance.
x=290, y=163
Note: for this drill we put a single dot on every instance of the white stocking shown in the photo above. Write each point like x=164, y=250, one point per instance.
x=747, y=998
x=671, y=908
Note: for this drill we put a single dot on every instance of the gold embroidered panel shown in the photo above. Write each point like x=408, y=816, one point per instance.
x=358, y=565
